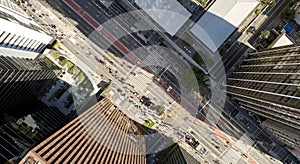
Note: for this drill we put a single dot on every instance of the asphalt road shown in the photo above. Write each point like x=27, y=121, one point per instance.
x=86, y=27
x=272, y=13
x=99, y=37
x=80, y=23
x=92, y=60
x=124, y=50
x=87, y=60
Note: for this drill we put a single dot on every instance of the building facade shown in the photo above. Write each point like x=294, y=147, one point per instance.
x=287, y=135
x=175, y=154
x=101, y=134
x=20, y=134
x=267, y=83
x=18, y=32
x=22, y=81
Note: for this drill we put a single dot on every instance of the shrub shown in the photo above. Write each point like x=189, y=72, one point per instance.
x=62, y=61
x=54, y=55
x=257, y=11
x=73, y=70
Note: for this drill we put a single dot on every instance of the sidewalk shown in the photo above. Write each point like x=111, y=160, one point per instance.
x=252, y=17
x=53, y=16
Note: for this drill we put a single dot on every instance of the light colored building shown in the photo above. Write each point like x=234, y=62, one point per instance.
x=19, y=32
x=282, y=40
x=169, y=14
x=297, y=15
x=221, y=20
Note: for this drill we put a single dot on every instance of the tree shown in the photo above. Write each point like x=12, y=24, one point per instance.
x=200, y=76
x=188, y=79
x=267, y=2
x=202, y=2
x=193, y=78
x=223, y=51
x=54, y=55
x=62, y=61
x=288, y=14
x=257, y=11
x=264, y=34
x=159, y=109
x=198, y=59
x=70, y=64
x=73, y=70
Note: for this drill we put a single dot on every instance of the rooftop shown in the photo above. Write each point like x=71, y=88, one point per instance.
x=282, y=40
x=221, y=20
x=18, y=17
x=19, y=24
x=169, y=14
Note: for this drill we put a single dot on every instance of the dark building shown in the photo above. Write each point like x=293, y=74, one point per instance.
x=267, y=84
x=23, y=74
x=287, y=135
x=101, y=134
x=175, y=154
x=17, y=135
x=22, y=81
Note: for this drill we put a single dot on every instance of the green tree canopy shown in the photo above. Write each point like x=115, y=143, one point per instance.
x=264, y=34
x=192, y=78
x=288, y=14
x=159, y=109
x=62, y=61
x=267, y=2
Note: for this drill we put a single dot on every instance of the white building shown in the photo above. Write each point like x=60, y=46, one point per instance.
x=221, y=20
x=282, y=40
x=18, y=32
x=169, y=14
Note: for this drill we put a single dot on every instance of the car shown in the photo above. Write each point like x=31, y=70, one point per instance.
x=133, y=73
x=101, y=61
x=189, y=51
x=251, y=30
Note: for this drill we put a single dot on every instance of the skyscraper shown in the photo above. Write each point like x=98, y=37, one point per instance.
x=288, y=136
x=18, y=32
x=23, y=76
x=267, y=84
x=175, y=154
x=20, y=134
x=101, y=134
x=22, y=81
